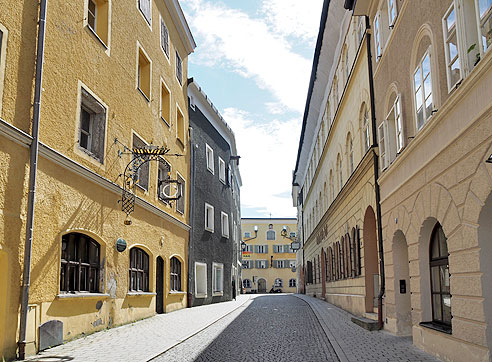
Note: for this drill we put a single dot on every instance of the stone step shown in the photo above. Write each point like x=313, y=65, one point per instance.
x=366, y=323
x=373, y=316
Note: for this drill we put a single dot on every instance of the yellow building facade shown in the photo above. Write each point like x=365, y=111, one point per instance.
x=268, y=262
x=114, y=79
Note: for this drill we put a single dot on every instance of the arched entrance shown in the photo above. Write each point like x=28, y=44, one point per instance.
x=403, y=305
x=159, y=285
x=261, y=285
x=370, y=260
x=485, y=243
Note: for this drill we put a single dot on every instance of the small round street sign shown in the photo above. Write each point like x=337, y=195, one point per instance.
x=120, y=245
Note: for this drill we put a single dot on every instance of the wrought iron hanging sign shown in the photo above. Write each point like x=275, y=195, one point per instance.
x=168, y=189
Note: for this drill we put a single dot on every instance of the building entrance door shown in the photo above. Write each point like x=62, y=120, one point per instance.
x=159, y=281
x=261, y=286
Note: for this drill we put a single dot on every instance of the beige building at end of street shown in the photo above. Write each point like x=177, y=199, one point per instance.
x=114, y=80
x=268, y=262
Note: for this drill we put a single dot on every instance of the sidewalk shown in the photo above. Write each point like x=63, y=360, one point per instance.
x=353, y=343
x=157, y=334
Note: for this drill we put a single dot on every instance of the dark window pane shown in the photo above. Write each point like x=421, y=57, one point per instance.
x=444, y=274
x=436, y=307
x=443, y=245
x=435, y=279
x=446, y=308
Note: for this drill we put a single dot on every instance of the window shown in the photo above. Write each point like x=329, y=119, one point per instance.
x=279, y=264
x=361, y=28
x=309, y=273
x=144, y=71
x=247, y=234
x=377, y=36
x=139, y=270
x=200, y=280
x=261, y=249
x=292, y=234
x=292, y=283
x=350, y=154
x=175, y=273
x=92, y=126
x=453, y=63
x=222, y=170
x=346, y=68
x=423, y=90
x=279, y=283
x=249, y=248
x=79, y=264
x=339, y=172
x=180, y=203
x=163, y=173
x=485, y=22
x=143, y=170
x=209, y=217
x=146, y=9
x=97, y=19
x=218, y=279
x=392, y=12
x=391, y=134
x=225, y=224
x=246, y=283
x=270, y=235
x=209, y=154
x=366, y=135
x=261, y=264
x=179, y=69
x=180, y=126
x=439, y=268
x=3, y=49
x=164, y=38
x=230, y=177
x=332, y=188
x=247, y=264
x=165, y=104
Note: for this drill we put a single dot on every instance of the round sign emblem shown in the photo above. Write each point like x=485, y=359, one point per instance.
x=120, y=245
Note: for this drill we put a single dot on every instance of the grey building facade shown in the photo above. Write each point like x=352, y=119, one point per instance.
x=213, y=268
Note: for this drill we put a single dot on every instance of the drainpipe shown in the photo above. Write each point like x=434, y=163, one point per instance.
x=33, y=163
x=376, y=176
x=192, y=202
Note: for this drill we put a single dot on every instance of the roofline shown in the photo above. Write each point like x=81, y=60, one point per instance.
x=317, y=52
x=179, y=20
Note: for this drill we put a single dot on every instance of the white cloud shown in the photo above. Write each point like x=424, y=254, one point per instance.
x=267, y=152
x=275, y=108
x=231, y=39
x=294, y=18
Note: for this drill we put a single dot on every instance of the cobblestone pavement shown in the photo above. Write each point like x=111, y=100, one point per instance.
x=268, y=328
x=142, y=340
x=353, y=343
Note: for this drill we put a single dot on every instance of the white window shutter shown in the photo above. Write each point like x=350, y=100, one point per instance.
x=382, y=145
x=387, y=145
x=399, y=126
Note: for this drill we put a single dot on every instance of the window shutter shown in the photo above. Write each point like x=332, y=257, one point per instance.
x=256, y=248
x=266, y=249
x=382, y=145
x=286, y=248
x=398, y=125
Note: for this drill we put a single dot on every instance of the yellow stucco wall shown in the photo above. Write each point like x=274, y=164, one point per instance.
x=270, y=273
x=67, y=201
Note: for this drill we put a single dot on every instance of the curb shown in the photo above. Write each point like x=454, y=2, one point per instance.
x=198, y=331
x=338, y=350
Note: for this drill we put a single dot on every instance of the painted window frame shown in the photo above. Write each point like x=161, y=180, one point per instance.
x=424, y=97
x=101, y=13
x=222, y=170
x=378, y=47
x=140, y=68
x=148, y=20
x=450, y=32
x=161, y=108
x=209, y=156
x=175, y=274
x=164, y=38
x=217, y=290
x=224, y=221
x=209, y=218
x=199, y=294
x=139, y=262
x=392, y=16
x=179, y=69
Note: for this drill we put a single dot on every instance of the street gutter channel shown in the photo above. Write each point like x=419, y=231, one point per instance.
x=198, y=331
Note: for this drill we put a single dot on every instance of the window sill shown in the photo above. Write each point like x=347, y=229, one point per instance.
x=166, y=122
x=217, y=294
x=210, y=170
x=143, y=94
x=199, y=296
x=82, y=295
x=136, y=294
x=176, y=292
x=91, y=31
x=437, y=327
x=181, y=142
x=209, y=230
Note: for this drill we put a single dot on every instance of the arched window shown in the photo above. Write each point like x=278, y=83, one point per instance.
x=422, y=79
x=329, y=267
x=325, y=198
x=246, y=283
x=175, y=273
x=139, y=270
x=350, y=154
x=339, y=172
x=279, y=283
x=316, y=213
x=270, y=235
x=321, y=208
x=333, y=264
x=439, y=267
x=332, y=187
x=292, y=283
x=366, y=130
x=342, y=258
x=79, y=264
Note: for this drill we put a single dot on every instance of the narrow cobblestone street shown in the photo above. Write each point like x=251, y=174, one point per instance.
x=253, y=328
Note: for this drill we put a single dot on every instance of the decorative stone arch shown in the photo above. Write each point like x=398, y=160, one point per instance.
x=403, y=306
x=262, y=285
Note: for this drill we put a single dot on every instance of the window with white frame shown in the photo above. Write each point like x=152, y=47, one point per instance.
x=98, y=19
x=247, y=264
x=391, y=134
x=261, y=264
x=218, y=279
x=164, y=38
x=179, y=69
x=292, y=283
x=485, y=22
x=377, y=36
x=366, y=130
x=145, y=7
x=92, y=126
x=279, y=283
x=222, y=170
x=292, y=234
x=209, y=217
x=423, y=90
x=200, y=280
x=350, y=154
x=451, y=47
x=392, y=12
x=225, y=224
x=248, y=248
x=261, y=249
x=246, y=283
x=209, y=154
x=382, y=145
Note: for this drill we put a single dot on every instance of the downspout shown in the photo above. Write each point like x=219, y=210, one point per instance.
x=376, y=176
x=33, y=164
x=192, y=202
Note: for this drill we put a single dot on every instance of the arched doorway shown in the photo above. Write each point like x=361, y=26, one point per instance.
x=371, y=260
x=485, y=243
x=403, y=305
x=261, y=285
x=159, y=285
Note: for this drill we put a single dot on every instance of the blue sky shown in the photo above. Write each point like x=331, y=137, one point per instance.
x=253, y=60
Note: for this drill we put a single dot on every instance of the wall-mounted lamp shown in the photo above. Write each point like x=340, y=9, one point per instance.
x=243, y=244
x=294, y=245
